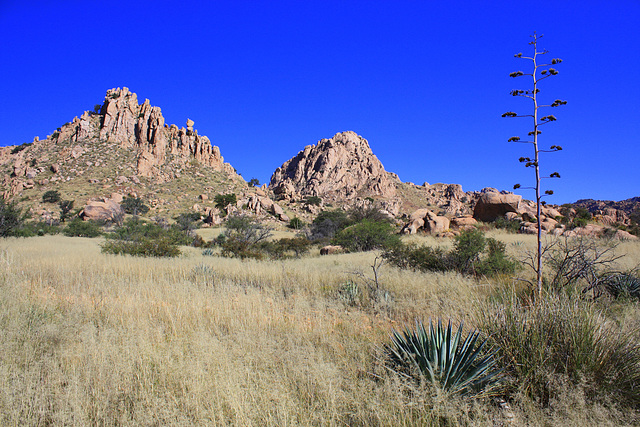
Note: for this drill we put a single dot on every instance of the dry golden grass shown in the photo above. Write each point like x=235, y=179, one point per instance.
x=95, y=339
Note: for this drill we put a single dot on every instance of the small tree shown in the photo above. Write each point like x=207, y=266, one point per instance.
x=65, y=209
x=51, y=196
x=223, y=200
x=11, y=217
x=538, y=73
x=254, y=182
x=134, y=206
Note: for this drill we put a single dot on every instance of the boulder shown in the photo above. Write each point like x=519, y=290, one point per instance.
x=493, y=205
x=427, y=221
x=330, y=250
x=464, y=222
x=106, y=210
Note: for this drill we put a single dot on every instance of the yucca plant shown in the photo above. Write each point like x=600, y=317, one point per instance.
x=444, y=359
x=622, y=284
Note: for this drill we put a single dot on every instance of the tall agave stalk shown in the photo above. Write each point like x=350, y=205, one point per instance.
x=444, y=359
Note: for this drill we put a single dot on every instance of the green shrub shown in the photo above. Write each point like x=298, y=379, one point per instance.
x=418, y=258
x=444, y=359
x=79, y=228
x=502, y=223
x=145, y=247
x=467, y=248
x=366, y=236
x=496, y=261
x=187, y=221
x=469, y=255
x=134, y=206
x=253, y=182
x=51, y=196
x=223, y=200
x=369, y=212
x=286, y=247
x=296, y=223
x=141, y=238
x=30, y=229
x=313, y=200
x=242, y=237
x=19, y=148
x=328, y=223
x=563, y=338
x=11, y=217
x=65, y=209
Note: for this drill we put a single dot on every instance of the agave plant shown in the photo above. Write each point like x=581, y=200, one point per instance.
x=622, y=284
x=444, y=359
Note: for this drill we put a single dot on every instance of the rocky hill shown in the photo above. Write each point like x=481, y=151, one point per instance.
x=340, y=168
x=122, y=147
x=344, y=169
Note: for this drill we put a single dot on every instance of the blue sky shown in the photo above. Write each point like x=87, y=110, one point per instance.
x=424, y=82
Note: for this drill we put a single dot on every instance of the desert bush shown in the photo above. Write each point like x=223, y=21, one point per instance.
x=577, y=262
x=472, y=254
x=242, y=236
x=79, y=228
x=286, y=247
x=328, y=223
x=223, y=200
x=65, y=209
x=145, y=247
x=134, y=206
x=369, y=212
x=366, y=236
x=187, y=221
x=51, y=196
x=141, y=238
x=418, y=258
x=19, y=148
x=296, y=223
x=11, y=217
x=41, y=228
x=502, y=223
x=562, y=338
x=444, y=359
x=313, y=200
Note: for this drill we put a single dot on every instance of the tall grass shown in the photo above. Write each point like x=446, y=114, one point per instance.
x=97, y=339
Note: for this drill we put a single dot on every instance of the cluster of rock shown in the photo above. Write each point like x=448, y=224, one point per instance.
x=341, y=168
x=142, y=127
x=104, y=209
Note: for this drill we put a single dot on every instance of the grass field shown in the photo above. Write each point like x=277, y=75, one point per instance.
x=96, y=339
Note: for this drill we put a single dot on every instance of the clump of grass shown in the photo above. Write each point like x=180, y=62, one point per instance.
x=562, y=337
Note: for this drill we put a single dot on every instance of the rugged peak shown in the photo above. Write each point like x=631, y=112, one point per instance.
x=141, y=127
x=343, y=167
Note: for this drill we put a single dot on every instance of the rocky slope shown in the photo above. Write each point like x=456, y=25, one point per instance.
x=340, y=168
x=123, y=147
x=343, y=169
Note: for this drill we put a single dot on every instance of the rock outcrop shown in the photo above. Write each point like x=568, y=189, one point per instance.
x=492, y=205
x=102, y=210
x=340, y=168
x=427, y=221
x=141, y=127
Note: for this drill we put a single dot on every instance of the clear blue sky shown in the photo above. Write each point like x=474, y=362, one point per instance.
x=424, y=82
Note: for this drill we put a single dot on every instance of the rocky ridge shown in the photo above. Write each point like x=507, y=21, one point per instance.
x=122, y=147
x=125, y=148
